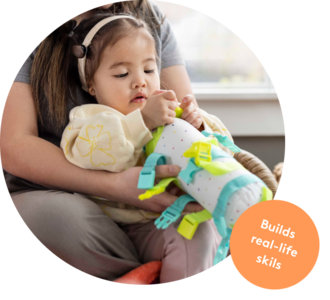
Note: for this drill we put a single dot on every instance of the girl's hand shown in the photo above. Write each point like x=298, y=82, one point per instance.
x=191, y=113
x=127, y=192
x=160, y=109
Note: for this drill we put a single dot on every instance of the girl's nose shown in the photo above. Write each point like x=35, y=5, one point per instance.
x=138, y=82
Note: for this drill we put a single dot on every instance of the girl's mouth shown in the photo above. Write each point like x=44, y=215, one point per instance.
x=138, y=99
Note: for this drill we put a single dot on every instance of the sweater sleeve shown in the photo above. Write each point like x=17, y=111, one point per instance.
x=101, y=138
x=213, y=124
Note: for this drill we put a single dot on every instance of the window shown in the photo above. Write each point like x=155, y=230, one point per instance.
x=215, y=57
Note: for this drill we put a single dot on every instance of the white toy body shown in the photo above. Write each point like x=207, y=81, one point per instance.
x=205, y=187
x=211, y=177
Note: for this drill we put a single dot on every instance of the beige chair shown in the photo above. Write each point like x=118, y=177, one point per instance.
x=258, y=168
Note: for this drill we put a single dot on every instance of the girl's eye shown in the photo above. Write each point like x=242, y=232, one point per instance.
x=149, y=71
x=121, y=75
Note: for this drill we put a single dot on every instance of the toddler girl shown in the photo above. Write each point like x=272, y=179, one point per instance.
x=117, y=64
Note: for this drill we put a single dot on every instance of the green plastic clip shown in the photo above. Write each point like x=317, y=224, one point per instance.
x=189, y=224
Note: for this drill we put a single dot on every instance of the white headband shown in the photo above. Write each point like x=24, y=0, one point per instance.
x=87, y=41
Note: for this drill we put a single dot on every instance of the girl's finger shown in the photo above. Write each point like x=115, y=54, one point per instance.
x=157, y=92
x=170, y=95
x=189, y=114
x=170, y=120
x=193, y=207
x=186, y=101
x=197, y=123
x=171, y=113
x=187, y=98
x=172, y=105
x=165, y=171
x=174, y=190
x=189, y=109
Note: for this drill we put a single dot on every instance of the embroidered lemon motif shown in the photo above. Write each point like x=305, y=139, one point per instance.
x=96, y=145
x=66, y=150
x=66, y=147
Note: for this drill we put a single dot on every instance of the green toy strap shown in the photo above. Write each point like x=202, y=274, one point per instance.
x=151, y=146
x=159, y=188
x=219, y=168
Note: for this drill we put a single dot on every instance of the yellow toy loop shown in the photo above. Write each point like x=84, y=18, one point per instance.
x=209, y=140
x=218, y=168
x=159, y=188
x=151, y=192
x=267, y=194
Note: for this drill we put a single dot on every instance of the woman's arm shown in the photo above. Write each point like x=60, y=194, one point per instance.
x=26, y=155
x=173, y=73
x=176, y=78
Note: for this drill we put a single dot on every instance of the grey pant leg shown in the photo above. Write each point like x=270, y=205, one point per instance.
x=76, y=230
x=181, y=258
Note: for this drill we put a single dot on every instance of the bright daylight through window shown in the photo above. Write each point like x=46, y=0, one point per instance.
x=216, y=59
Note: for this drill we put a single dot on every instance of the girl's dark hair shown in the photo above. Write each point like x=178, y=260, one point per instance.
x=54, y=72
x=107, y=36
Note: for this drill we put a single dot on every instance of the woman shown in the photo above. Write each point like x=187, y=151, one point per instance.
x=40, y=179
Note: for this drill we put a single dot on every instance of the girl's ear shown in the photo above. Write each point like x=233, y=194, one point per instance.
x=91, y=90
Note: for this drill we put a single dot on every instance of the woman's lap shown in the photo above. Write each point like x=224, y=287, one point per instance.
x=76, y=229
x=181, y=257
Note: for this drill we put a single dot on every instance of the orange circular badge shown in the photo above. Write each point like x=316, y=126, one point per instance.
x=274, y=244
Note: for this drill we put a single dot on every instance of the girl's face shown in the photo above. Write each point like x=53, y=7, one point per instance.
x=127, y=75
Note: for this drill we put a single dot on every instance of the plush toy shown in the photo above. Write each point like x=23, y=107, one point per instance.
x=208, y=175
x=145, y=274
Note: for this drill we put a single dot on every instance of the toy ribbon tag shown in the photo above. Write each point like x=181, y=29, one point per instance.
x=224, y=140
x=159, y=188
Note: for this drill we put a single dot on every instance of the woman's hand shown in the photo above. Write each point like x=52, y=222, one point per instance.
x=191, y=113
x=160, y=109
x=127, y=192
